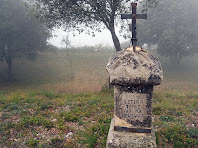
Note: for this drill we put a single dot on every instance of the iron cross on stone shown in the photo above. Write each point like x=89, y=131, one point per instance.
x=134, y=16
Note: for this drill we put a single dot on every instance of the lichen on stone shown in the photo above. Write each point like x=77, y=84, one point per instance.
x=134, y=68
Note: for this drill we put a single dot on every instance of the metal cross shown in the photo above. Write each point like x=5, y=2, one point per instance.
x=134, y=16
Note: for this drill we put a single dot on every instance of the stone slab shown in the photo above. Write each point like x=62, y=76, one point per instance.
x=132, y=130
x=122, y=125
x=133, y=105
x=118, y=139
x=134, y=68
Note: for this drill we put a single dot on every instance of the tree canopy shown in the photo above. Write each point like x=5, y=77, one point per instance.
x=167, y=24
x=173, y=26
x=81, y=14
x=20, y=34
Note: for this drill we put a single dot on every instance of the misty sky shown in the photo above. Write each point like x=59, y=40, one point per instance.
x=103, y=38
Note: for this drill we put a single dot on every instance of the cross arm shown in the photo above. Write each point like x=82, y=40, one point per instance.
x=136, y=16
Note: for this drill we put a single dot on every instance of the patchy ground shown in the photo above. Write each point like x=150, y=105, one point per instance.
x=47, y=119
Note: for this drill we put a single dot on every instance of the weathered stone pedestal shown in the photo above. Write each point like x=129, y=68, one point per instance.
x=133, y=76
x=117, y=139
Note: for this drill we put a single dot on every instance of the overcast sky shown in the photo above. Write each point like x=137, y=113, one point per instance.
x=103, y=38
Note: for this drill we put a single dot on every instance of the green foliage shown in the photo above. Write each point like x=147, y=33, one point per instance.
x=94, y=15
x=12, y=107
x=176, y=37
x=69, y=116
x=2, y=101
x=91, y=138
x=44, y=106
x=49, y=94
x=30, y=100
x=26, y=121
x=6, y=125
x=46, y=93
x=56, y=142
x=88, y=117
x=3, y=92
x=97, y=134
x=166, y=118
x=5, y=116
x=33, y=142
x=176, y=135
x=193, y=132
x=157, y=110
x=107, y=91
x=20, y=34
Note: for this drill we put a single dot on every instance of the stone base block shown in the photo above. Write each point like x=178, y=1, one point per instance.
x=118, y=139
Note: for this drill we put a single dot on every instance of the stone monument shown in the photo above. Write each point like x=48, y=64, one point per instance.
x=133, y=75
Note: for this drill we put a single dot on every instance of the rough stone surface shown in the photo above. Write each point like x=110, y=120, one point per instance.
x=134, y=68
x=134, y=105
x=130, y=140
x=133, y=75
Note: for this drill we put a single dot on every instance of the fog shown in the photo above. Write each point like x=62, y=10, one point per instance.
x=54, y=85
x=83, y=39
x=33, y=55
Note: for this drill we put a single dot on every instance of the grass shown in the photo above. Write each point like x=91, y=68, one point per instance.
x=87, y=111
x=88, y=116
x=52, y=71
x=175, y=117
x=44, y=103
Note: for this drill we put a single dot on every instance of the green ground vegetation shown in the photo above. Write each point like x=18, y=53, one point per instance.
x=44, y=119
x=38, y=118
x=46, y=106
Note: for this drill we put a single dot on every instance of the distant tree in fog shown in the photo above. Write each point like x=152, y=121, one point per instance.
x=69, y=53
x=20, y=34
x=66, y=41
x=173, y=25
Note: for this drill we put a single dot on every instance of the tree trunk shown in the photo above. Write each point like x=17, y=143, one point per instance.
x=71, y=67
x=9, y=62
x=116, y=44
x=115, y=38
x=171, y=59
x=179, y=59
x=175, y=59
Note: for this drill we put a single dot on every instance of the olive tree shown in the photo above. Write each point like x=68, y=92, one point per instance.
x=173, y=27
x=21, y=35
x=84, y=14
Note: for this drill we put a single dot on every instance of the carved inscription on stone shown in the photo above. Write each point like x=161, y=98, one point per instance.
x=134, y=106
